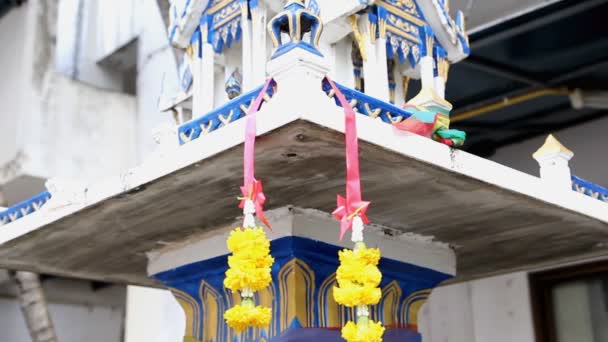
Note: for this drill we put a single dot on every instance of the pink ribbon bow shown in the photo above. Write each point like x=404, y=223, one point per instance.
x=252, y=188
x=346, y=212
x=351, y=206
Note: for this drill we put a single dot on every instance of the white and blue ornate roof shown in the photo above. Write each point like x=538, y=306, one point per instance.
x=407, y=25
x=185, y=18
x=219, y=20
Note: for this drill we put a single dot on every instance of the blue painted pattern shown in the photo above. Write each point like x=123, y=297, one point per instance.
x=301, y=293
x=24, y=208
x=590, y=189
x=220, y=117
x=368, y=105
x=295, y=21
x=224, y=22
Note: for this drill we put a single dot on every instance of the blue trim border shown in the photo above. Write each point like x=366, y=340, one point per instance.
x=22, y=209
x=590, y=189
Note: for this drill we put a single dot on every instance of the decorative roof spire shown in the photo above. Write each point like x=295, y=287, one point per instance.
x=296, y=20
x=552, y=147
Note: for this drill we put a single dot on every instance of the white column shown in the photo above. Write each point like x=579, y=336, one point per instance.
x=258, y=35
x=153, y=316
x=370, y=65
x=247, y=50
x=553, y=160
x=375, y=70
x=204, y=70
x=382, y=92
x=197, y=83
x=329, y=52
x=427, y=73
x=344, y=63
x=440, y=86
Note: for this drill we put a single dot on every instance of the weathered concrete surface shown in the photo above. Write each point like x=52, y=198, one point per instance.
x=493, y=230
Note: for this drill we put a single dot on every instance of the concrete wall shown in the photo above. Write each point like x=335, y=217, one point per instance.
x=73, y=323
x=79, y=313
x=588, y=142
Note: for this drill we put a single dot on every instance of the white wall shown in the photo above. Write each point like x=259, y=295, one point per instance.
x=79, y=131
x=153, y=316
x=118, y=23
x=156, y=69
x=587, y=141
x=495, y=309
x=12, y=26
x=73, y=323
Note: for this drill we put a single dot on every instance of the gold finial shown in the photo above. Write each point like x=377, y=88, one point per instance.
x=552, y=146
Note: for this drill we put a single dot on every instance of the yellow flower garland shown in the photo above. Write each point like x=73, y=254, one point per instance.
x=358, y=280
x=249, y=271
x=370, y=332
x=358, y=277
x=241, y=317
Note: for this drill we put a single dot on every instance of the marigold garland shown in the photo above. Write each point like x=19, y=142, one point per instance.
x=249, y=271
x=241, y=317
x=363, y=332
x=358, y=279
x=250, y=262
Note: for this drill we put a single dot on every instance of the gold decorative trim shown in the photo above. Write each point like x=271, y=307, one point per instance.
x=219, y=6
x=186, y=138
x=371, y=29
x=359, y=38
x=226, y=120
x=227, y=19
x=401, y=13
x=372, y=113
x=430, y=44
x=393, y=119
x=443, y=68
x=406, y=87
x=206, y=128
x=382, y=25
x=402, y=33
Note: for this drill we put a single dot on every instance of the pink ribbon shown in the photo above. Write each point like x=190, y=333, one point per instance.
x=351, y=206
x=252, y=188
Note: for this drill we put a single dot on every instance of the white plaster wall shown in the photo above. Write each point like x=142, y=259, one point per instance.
x=79, y=25
x=63, y=128
x=588, y=142
x=153, y=316
x=73, y=323
x=495, y=309
x=78, y=131
x=156, y=69
x=118, y=23
x=12, y=25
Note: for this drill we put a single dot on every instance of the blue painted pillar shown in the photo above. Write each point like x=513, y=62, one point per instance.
x=301, y=296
